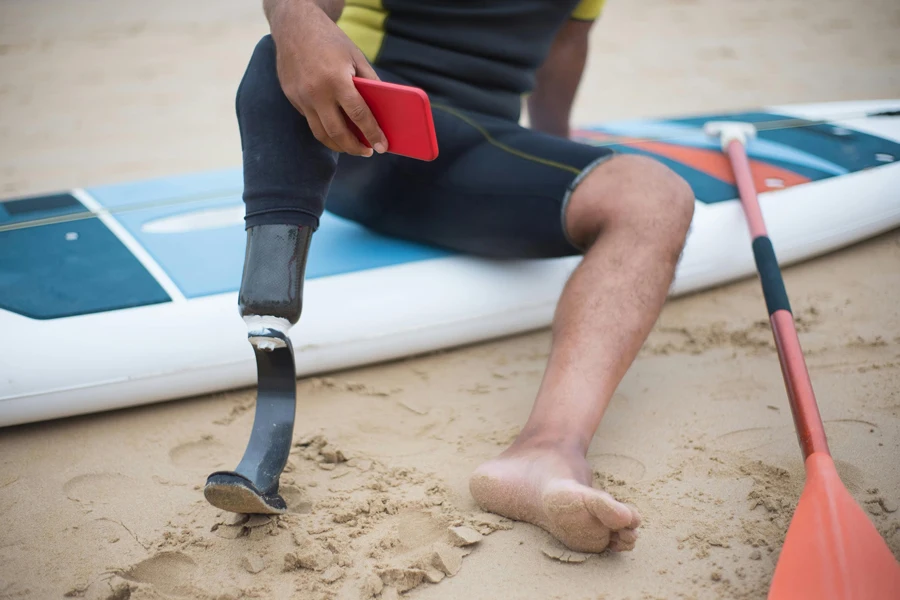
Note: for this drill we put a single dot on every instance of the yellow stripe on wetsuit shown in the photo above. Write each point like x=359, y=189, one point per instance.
x=363, y=22
x=588, y=10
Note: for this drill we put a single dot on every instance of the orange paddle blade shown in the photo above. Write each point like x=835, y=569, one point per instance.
x=832, y=550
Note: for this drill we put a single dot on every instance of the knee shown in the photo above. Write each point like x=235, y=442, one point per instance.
x=635, y=193
x=264, y=53
x=265, y=48
x=261, y=76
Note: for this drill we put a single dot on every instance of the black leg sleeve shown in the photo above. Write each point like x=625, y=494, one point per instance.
x=287, y=171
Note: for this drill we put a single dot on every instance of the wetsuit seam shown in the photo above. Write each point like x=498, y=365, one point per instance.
x=266, y=211
x=508, y=149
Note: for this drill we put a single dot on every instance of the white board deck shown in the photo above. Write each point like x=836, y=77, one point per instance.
x=367, y=298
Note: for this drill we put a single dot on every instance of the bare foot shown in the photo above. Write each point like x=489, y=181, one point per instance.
x=552, y=489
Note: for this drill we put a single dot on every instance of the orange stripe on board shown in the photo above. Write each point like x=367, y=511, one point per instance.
x=710, y=162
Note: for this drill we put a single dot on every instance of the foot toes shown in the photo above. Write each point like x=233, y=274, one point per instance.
x=618, y=544
x=628, y=536
x=610, y=511
x=635, y=516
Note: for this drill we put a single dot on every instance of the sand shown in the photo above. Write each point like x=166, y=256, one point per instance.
x=698, y=436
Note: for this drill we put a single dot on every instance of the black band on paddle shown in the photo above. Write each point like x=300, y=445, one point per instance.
x=770, y=275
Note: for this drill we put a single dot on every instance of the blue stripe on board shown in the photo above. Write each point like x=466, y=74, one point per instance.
x=39, y=207
x=855, y=151
x=80, y=267
x=707, y=189
x=810, y=173
x=693, y=136
x=850, y=149
x=67, y=269
x=210, y=261
x=200, y=263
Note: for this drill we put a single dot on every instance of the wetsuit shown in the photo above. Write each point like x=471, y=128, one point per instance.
x=497, y=189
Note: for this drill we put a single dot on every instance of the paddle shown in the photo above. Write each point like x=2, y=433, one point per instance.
x=832, y=549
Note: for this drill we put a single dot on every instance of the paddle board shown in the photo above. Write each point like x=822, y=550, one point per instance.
x=126, y=294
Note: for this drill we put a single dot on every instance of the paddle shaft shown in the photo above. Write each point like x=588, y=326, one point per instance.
x=807, y=421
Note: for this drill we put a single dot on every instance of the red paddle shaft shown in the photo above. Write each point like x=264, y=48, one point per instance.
x=832, y=550
x=807, y=421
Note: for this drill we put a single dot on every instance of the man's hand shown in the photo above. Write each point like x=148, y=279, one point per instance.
x=316, y=64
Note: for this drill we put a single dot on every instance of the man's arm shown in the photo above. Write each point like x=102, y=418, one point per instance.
x=316, y=63
x=557, y=80
x=272, y=8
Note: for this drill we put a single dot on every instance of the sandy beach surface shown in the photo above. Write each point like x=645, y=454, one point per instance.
x=698, y=437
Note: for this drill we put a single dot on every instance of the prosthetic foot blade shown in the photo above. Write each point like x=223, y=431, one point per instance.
x=229, y=491
x=253, y=486
x=270, y=301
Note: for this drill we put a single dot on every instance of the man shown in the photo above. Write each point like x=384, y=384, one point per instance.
x=497, y=190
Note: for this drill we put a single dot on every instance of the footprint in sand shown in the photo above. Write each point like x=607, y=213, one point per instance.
x=410, y=531
x=402, y=434
x=619, y=466
x=297, y=500
x=205, y=453
x=413, y=547
x=750, y=438
x=96, y=487
x=168, y=572
x=418, y=529
x=105, y=531
x=753, y=438
x=851, y=428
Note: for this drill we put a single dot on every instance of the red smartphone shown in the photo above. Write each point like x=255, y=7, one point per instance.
x=404, y=114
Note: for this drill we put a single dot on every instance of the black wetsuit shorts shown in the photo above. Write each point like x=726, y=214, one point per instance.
x=497, y=189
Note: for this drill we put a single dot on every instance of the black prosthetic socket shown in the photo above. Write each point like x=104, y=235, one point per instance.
x=272, y=286
x=274, y=267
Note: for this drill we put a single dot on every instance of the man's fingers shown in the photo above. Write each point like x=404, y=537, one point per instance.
x=375, y=136
x=363, y=68
x=318, y=130
x=358, y=111
x=336, y=128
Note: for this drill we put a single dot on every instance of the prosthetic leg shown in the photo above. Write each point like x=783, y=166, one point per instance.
x=271, y=299
x=287, y=174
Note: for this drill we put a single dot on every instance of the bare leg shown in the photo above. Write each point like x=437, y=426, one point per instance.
x=633, y=214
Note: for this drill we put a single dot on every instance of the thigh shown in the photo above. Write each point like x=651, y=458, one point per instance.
x=496, y=190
